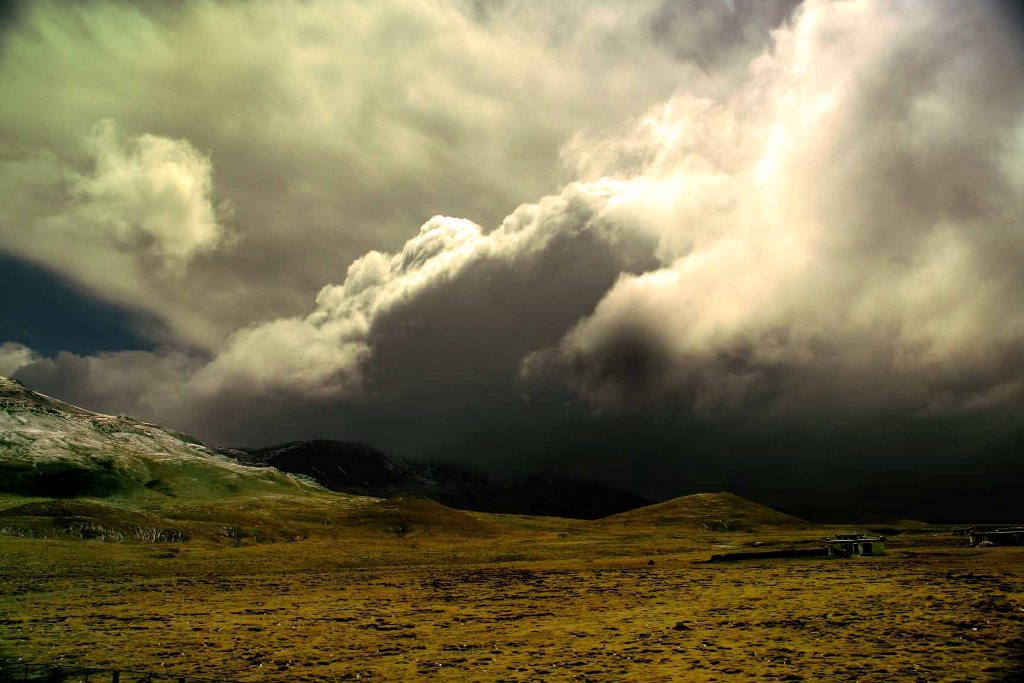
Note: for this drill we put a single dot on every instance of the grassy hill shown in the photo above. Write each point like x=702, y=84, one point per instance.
x=711, y=511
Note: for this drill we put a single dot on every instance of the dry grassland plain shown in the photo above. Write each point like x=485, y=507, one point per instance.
x=531, y=600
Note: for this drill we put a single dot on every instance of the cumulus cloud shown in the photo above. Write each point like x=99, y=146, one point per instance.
x=843, y=231
x=148, y=193
x=325, y=353
x=125, y=224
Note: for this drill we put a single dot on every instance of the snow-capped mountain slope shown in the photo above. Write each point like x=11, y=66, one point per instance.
x=51, y=448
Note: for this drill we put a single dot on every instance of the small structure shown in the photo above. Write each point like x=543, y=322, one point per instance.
x=1011, y=536
x=848, y=545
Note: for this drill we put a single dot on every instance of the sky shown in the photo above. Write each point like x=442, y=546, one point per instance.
x=763, y=246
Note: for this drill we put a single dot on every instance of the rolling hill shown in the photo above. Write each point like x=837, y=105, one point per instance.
x=712, y=511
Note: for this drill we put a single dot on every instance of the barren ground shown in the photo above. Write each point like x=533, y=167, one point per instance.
x=548, y=601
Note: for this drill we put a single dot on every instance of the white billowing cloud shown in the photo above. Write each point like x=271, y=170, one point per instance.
x=125, y=223
x=843, y=231
x=14, y=356
x=323, y=354
x=148, y=193
x=289, y=354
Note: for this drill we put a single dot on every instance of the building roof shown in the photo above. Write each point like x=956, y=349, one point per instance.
x=855, y=538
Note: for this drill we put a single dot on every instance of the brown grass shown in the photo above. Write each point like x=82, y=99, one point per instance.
x=515, y=599
x=720, y=511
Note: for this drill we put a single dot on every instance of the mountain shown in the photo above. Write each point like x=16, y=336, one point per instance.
x=713, y=511
x=347, y=466
x=49, y=448
x=54, y=449
x=67, y=472
x=358, y=468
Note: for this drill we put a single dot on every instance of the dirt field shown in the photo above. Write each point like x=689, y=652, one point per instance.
x=556, y=603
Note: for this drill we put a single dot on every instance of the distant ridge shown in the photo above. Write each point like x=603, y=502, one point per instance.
x=348, y=466
x=720, y=511
x=358, y=468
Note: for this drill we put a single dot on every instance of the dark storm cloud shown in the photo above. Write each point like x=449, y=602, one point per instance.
x=718, y=34
x=144, y=382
